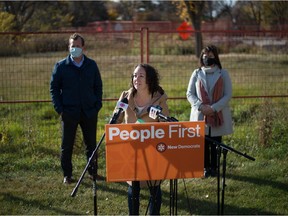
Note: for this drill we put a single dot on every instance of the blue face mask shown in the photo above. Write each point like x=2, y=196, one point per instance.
x=75, y=52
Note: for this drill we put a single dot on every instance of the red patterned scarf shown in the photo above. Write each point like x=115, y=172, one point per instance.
x=217, y=119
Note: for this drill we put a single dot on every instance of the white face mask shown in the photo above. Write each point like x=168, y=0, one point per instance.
x=75, y=52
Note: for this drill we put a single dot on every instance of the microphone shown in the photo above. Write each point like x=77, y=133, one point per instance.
x=156, y=111
x=121, y=106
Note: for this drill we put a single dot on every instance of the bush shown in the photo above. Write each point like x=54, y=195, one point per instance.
x=174, y=50
x=43, y=43
x=244, y=48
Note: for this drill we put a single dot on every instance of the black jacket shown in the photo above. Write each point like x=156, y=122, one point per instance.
x=75, y=89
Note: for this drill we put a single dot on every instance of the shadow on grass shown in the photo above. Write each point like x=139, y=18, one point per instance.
x=198, y=206
x=49, y=151
x=260, y=181
x=19, y=201
x=192, y=206
x=186, y=205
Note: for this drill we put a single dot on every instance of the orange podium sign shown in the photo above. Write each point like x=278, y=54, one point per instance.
x=154, y=151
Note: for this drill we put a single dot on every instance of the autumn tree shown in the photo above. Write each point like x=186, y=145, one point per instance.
x=6, y=22
x=35, y=15
x=22, y=11
x=275, y=14
x=262, y=14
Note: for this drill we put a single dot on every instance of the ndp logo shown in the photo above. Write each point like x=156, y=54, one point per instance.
x=161, y=147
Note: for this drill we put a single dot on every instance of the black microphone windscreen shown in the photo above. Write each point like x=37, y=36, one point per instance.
x=124, y=100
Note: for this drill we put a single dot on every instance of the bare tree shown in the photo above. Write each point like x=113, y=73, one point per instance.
x=256, y=8
x=195, y=12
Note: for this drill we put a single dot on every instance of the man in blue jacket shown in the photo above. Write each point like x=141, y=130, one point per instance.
x=76, y=92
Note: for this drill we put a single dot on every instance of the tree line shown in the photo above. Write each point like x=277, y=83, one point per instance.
x=52, y=15
x=30, y=16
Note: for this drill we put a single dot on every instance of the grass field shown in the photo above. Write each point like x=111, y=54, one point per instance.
x=30, y=172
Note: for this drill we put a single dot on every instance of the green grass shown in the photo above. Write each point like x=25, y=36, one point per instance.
x=31, y=176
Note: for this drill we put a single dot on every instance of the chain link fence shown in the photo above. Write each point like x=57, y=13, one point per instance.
x=256, y=61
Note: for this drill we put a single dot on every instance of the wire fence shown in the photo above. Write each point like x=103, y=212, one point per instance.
x=256, y=61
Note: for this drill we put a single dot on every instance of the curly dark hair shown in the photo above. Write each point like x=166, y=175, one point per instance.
x=152, y=79
x=214, y=50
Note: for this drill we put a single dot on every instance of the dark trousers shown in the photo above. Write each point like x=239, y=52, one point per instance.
x=155, y=200
x=69, y=128
x=210, y=155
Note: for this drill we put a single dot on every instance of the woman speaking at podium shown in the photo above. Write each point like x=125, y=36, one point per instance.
x=144, y=92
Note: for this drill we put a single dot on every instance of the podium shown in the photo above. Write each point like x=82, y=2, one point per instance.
x=155, y=151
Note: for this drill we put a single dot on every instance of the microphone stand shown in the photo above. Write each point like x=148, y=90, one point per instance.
x=173, y=196
x=223, y=148
x=113, y=120
x=218, y=149
x=173, y=182
x=94, y=176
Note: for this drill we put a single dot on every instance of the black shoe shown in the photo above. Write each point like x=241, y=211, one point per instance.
x=67, y=180
x=213, y=173
x=207, y=173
